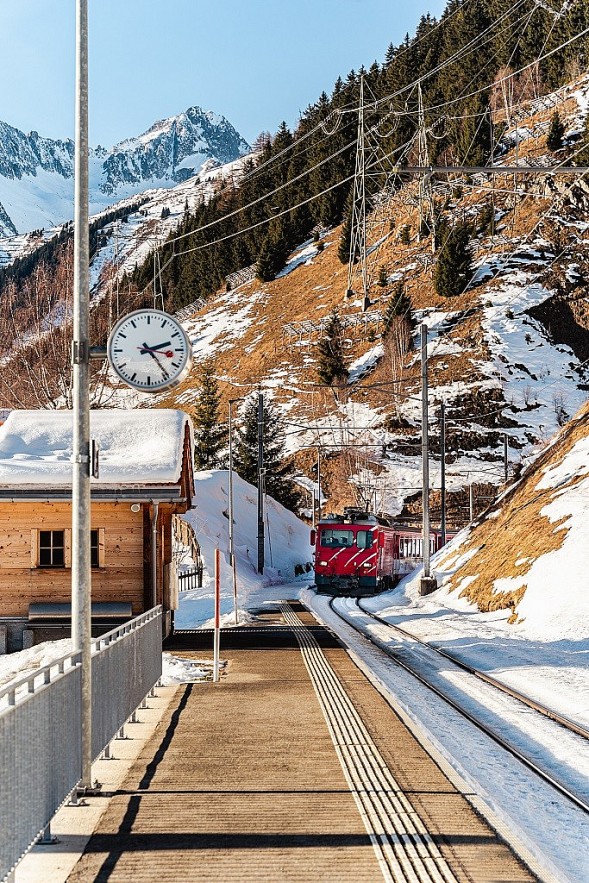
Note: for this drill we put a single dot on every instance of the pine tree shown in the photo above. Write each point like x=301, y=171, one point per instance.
x=453, y=269
x=210, y=435
x=398, y=306
x=272, y=258
x=555, y=132
x=331, y=366
x=279, y=468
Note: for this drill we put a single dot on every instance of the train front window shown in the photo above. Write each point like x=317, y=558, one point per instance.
x=364, y=539
x=337, y=538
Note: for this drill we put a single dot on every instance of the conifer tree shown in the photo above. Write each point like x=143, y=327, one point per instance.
x=453, y=269
x=210, y=435
x=279, y=468
x=555, y=132
x=398, y=306
x=331, y=366
x=272, y=257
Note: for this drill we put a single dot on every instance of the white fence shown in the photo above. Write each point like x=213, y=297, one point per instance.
x=40, y=758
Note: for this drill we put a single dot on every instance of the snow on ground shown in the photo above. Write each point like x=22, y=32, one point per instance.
x=287, y=545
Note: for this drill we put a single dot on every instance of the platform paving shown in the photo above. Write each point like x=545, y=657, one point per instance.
x=241, y=781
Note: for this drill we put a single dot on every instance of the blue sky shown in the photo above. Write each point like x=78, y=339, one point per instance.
x=257, y=62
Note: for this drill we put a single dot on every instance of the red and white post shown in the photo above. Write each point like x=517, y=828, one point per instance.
x=217, y=638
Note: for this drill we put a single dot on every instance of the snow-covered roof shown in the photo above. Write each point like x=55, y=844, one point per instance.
x=139, y=447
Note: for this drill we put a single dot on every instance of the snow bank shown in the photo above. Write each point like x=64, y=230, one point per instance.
x=287, y=545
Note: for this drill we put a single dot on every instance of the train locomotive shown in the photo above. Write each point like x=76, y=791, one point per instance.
x=359, y=553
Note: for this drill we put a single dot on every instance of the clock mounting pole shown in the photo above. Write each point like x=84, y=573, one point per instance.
x=81, y=574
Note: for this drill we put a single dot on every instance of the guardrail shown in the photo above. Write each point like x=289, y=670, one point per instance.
x=40, y=757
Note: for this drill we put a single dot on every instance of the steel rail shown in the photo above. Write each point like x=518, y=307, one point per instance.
x=514, y=752
x=565, y=722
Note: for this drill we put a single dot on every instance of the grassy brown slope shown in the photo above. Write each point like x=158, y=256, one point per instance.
x=519, y=532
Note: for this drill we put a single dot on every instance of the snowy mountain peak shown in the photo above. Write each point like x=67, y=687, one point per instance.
x=36, y=173
x=173, y=149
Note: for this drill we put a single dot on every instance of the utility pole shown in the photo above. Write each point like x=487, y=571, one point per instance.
x=81, y=573
x=260, y=482
x=428, y=582
x=505, y=456
x=358, y=231
x=443, y=470
x=425, y=189
x=318, y=484
x=231, y=515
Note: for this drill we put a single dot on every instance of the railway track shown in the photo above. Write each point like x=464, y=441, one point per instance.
x=424, y=670
x=565, y=722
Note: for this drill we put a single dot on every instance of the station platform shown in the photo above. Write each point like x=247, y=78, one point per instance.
x=292, y=768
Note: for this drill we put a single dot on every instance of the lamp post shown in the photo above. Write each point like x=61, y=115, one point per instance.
x=81, y=573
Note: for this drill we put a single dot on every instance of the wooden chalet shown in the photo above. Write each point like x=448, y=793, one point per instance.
x=145, y=481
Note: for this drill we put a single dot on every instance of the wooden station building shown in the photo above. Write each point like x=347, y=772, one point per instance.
x=145, y=480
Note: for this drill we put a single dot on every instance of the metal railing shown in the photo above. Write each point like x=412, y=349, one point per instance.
x=190, y=579
x=40, y=756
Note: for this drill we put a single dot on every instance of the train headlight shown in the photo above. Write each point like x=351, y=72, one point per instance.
x=323, y=563
x=367, y=564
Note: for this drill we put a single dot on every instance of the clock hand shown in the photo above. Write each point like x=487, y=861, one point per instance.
x=152, y=350
x=160, y=366
x=158, y=346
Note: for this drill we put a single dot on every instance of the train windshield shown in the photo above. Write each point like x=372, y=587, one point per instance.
x=364, y=539
x=338, y=538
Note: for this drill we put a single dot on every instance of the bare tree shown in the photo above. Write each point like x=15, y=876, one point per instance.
x=397, y=344
x=35, y=352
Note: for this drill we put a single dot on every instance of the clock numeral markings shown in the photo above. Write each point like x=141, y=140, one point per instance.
x=176, y=334
x=133, y=377
x=165, y=322
x=121, y=334
x=148, y=380
x=149, y=320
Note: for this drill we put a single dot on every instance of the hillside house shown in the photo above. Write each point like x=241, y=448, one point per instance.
x=145, y=480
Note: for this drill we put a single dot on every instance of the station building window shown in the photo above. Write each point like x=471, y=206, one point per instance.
x=52, y=548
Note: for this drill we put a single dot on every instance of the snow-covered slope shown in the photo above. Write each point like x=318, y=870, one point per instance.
x=36, y=174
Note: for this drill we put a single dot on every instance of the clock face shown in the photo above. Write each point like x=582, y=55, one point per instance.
x=149, y=350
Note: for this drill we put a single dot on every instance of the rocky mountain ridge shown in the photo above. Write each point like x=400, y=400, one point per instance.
x=36, y=173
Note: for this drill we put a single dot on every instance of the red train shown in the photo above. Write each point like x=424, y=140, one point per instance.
x=360, y=554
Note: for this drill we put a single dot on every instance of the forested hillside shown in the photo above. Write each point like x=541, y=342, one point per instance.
x=480, y=57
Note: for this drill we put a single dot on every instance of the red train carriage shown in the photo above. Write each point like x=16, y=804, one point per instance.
x=360, y=554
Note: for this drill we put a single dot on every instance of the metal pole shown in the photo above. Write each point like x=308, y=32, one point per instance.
x=443, y=465
x=470, y=502
x=231, y=515
x=428, y=584
x=81, y=573
x=260, y=483
x=318, y=484
x=231, y=482
x=154, y=518
x=217, y=634
x=505, y=455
